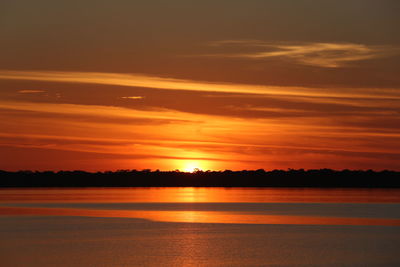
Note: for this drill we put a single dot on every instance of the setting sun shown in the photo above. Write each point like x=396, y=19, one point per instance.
x=191, y=166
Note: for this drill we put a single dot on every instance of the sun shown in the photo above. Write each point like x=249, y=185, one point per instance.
x=191, y=166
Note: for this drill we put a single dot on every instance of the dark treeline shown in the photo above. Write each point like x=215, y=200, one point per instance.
x=257, y=178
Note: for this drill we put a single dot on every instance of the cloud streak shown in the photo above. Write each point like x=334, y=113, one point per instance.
x=325, y=55
x=31, y=91
x=147, y=81
x=133, y=97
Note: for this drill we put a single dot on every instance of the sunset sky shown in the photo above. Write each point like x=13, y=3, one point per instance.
x=178, y=84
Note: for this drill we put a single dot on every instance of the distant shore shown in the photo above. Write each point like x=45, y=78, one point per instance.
x=321, y=178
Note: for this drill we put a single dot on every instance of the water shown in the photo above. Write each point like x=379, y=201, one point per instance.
x=199, y=227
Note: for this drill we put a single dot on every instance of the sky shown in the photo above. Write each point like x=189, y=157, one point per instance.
x=215, y=85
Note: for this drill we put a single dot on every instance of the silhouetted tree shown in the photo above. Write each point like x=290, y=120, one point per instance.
x=199, y=178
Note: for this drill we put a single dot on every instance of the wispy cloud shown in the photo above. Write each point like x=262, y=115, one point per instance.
x=31, y=91
x=133, y=97
x=326, y=55
x=96, y=110
x=154, y=82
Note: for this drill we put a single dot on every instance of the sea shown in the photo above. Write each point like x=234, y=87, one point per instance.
x=189, y=227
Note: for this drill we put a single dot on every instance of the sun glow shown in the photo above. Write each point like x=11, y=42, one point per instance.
x=191, y=166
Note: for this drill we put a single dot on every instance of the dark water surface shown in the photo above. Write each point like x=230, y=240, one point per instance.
x=199, y=227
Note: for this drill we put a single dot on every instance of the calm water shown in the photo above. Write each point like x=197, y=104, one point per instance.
x=199, y=227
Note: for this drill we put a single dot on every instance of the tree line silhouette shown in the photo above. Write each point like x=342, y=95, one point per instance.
x=325, y=178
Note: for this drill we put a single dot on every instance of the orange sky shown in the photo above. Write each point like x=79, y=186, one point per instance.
x=151, y=84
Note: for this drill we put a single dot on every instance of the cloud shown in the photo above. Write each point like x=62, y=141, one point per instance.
x=100, y=111
x=31, y=91
x=154, y=82
x=325, y=55
x=133, y=97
